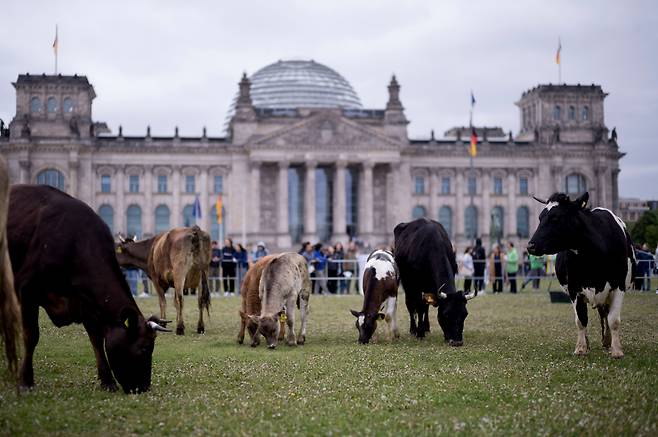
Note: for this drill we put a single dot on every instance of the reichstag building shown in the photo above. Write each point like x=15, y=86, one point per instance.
x=302, y=159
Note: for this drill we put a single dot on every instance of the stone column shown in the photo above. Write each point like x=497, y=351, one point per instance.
x=148, y=215
x=601, y=187
x=177, y=212
x=433, y=212
x=339, y=207
x=24, y=172
x=73, y=175
x=366, y=220
x=402, y=212
x=254, y=180
x=120, y=212
x=283, y=231
x=510, y=221
x=204, y=223
x=310, y=228
x=459, y=205
x=485, y=210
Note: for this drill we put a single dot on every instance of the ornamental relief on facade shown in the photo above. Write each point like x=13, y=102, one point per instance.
x=268, y=197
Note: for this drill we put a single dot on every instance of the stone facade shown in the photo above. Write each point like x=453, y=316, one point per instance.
x=315, y=173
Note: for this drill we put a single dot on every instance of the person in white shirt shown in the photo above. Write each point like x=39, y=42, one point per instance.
x=466, y=269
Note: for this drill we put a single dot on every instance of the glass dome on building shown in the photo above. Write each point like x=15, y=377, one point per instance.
x=300, y=84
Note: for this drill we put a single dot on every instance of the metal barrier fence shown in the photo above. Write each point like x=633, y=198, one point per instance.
x=351, y=283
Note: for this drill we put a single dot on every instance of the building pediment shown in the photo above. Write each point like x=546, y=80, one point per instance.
x=322, y=131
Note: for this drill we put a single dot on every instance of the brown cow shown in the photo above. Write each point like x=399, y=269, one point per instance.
x=179, y=258
x=251, y=304
x=284, y=282
x=10, y=319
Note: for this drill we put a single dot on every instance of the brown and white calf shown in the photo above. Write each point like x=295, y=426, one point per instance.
x=251, y=304
x=285, y=282
x=380, y=293
x=179, y=258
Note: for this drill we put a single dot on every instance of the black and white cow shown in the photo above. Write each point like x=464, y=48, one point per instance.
x=427, y=265
x=595, y=262
x=380, y=295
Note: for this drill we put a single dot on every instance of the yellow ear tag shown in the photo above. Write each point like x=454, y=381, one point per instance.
x=118, y=249
x=283, y=317
x=125, y=322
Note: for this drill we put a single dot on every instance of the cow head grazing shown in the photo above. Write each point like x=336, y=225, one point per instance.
x=129, y=347
x=559, y=224
x=451, y=315
x=269, y=327
x=366, y=324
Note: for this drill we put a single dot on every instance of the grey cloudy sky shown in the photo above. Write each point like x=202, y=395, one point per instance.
x=165, y=63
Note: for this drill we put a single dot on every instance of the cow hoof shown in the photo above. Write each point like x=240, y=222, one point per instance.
x=580, y=352
x=455, y=343
x=301, y=341
x=291, y=343
x=25, y=388
x=200, y=329
x=254, y=344
x=240, y=340
x=617, y=355
x=111, y=387
x=180, y=330
x=271, y=346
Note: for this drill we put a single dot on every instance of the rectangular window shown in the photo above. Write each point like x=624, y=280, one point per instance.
x=498, y=185
x=419, y=185
x=133, y=184
x=472, y=185
x=218, y=184
x=523, y=185
x=162, y=183
x=190, y=184
x=445, y=185
x=106, y=183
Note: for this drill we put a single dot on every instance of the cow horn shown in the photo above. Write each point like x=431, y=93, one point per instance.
x=154, y=326
x=442, y=295
x=545, y=202
x=158, y=320
x=121, y=239
x=471, y=295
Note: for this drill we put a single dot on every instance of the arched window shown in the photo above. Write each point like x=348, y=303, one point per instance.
x=51, y=104
x=215, y=227
x=162, y=215
x=471, y=221
x=107, y=214
x=418, y=212
x=445, y=218
x=68, y=105
x=572, y=113
x=576, y=184
x=523, y=222
x=35, y=105
x=51, y=177
x=134, y=220
x=497, y=222
x=188, y=215
x=585, y=113
x=419, y=185
x=557, y=113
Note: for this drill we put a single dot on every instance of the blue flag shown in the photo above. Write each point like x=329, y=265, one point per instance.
x=472, y=99
x=196, y=213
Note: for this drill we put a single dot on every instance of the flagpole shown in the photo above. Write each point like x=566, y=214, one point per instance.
x=56, y=46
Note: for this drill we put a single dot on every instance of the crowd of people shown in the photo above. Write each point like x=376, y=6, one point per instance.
x=334, y=269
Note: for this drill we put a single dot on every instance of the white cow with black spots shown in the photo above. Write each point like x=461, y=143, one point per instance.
x=380, y=295
x=595, y=262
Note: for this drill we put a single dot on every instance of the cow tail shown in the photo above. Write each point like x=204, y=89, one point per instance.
x=632, y=258
x=204, y=302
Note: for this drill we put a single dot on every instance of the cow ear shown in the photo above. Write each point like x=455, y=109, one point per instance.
x=381, y=316
x=581, y=202
x=355, y=313
x=129, y=319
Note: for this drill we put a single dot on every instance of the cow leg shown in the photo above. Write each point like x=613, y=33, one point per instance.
x=606, y=338
x=178, y=297
x=391, y=319
x=253, y=333
x=412, y=323
x=161, y=299
x=303, y=309
x=290, y=320
x=423, y=320
x=580, y=308
x=243, y=325
x=30, y=314
x=614, y=322
x=104, y=373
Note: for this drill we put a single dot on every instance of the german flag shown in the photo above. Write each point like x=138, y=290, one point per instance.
x=474, y=143
x=559, y=49
x=56, y=42
x=219, y=206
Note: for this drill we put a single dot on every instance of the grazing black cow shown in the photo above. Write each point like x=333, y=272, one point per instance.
x=63, y=260
x=427, y=265
x=380, y=293
x=595, y=262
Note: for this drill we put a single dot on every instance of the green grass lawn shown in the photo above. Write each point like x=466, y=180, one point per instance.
x=515, y=375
